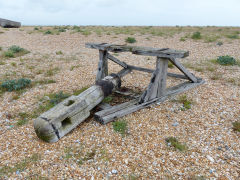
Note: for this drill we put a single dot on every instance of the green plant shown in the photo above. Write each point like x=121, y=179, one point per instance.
x=0, y=48
x=182, y=39
x=61, y=30
x=48, y=32
x=36, y=29
x=8, y=54
x=173, y=142
x=196, y=35
x=86, y=32
x=59, y=52
x=170, y=65
x=185, y=101
x=23, y=118
x=107, y=99
x=130, y=40
x=226, y=60
x=15, y=85
x=16, y=49
x=73, y=67
x=120, y=126
x=13, y=64
x=236, y=126
x=51, y=72
x=232, y=36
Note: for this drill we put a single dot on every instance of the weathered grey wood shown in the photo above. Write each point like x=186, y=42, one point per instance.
x=104, y=106
x=100, y=116
x=124, y=72
x=190, y=76
x=65, y=116
x=9, y=24
x=157, y=85
x=109, y=115
x=114, y=59
x=146, y=51
x=180, y=76
x=162, y=76
x=102, y=65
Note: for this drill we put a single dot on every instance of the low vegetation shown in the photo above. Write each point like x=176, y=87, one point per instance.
x=7, y=170
x=226, y=60
x=187, y=103
x=196, y=35
x=130, y=40
x=15, y=85
x=120, y=126
x=15, y=51
x=236, y=126
x=173, y=142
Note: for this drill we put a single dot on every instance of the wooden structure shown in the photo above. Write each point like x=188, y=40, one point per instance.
x=156, y=91
x=65, y=116
x=9, y=24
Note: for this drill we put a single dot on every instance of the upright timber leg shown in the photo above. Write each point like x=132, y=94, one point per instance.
x=157, y=86
x=102, y=65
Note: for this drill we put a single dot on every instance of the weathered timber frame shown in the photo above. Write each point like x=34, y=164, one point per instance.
x=156, y=91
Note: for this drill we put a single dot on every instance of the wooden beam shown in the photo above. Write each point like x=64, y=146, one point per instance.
x=146, y=51
x=102, y=65
x=114, y=59
x=123, y=72
x=189, y=75
x=117, y=111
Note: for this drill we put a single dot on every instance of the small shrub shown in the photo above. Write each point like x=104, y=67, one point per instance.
x=0, y=48
x=232, y=36
x=86, y=32
x=196, y=35
x=16, y=49
x=173, y=142
x=15, y=85
x=36, y=29
x=130, y=40
x=8, y=54
x=59, y=52
x=48, y=32
x=219, y=43
x=186, y=102
x=61, y=30
x=182, y=39
x=120, y=126
x=226, y=60
x=236, y=126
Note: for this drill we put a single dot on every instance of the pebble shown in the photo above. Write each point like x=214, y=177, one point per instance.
x=114, y=171
x=175, y=124
x=210, y=158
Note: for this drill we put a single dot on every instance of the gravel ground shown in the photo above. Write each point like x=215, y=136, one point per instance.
x=94, y=151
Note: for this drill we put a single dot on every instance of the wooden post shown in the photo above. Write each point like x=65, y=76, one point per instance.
x=102, y=65
x=163, y=66
x=65, y=116
x=157, y=86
